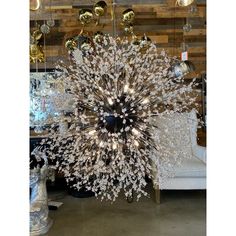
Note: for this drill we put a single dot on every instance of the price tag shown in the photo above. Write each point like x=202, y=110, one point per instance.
x=184, y=56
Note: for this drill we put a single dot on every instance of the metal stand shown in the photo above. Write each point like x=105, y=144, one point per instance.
x=157, y=196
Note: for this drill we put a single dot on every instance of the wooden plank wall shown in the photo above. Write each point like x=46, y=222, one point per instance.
x=161, y=20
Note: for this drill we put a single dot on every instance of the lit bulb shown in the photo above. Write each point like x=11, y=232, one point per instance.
x=114, y=145
x=136, y=143
x=135, y=132
x=145, y=101
x=100, y=88
x=131, y=90
x=110, y=101
x=91, y=132
x=126, y=87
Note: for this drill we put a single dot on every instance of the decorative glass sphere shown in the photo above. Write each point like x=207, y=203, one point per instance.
x=187, y=27
x=193, y=9
x=45, y=29
x=50, y=23
x=100, y=8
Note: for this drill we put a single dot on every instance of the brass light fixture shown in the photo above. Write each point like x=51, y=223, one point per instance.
x=83, y=42
x=98, y=36
x=128, y=16
x=36, y=52
x=71, y=44
x=85, y=16
x=127, y=22
x=184, y=3
x=145, y=41
x=100, y=8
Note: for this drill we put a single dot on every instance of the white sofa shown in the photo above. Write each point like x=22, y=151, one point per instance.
x=191, y=173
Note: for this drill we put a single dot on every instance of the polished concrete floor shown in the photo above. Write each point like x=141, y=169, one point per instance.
x=181, y=213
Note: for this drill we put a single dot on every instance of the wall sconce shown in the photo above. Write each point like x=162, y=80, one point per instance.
x=71, y=44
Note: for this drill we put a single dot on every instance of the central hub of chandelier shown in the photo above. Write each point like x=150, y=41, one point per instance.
x=119, y=116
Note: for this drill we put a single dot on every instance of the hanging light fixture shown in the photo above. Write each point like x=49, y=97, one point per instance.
x=71, y=44
x=100, y=8
x=182, y=68
x=128, y=16
x=184, y=3
x=98, y=36
x=85, y=16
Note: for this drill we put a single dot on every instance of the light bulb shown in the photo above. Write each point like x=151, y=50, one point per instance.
x=126, y=87
x=114, y=145
x=91, y=132
x=135, y=131
x=145, y=101
x=110, y=101
x=136, y=143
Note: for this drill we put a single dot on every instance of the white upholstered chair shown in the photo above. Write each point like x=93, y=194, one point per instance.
x=191, y=173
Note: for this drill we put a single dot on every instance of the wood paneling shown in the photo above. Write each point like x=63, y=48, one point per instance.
x=161, y=20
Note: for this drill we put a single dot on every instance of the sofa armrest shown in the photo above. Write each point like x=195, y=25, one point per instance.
x=199, y=152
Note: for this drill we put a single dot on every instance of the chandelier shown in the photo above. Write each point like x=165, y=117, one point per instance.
x=116, y=88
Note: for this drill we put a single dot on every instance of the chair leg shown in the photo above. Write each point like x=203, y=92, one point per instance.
x=157, y=195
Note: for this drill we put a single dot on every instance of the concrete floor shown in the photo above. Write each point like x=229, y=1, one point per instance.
x=181, y=213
